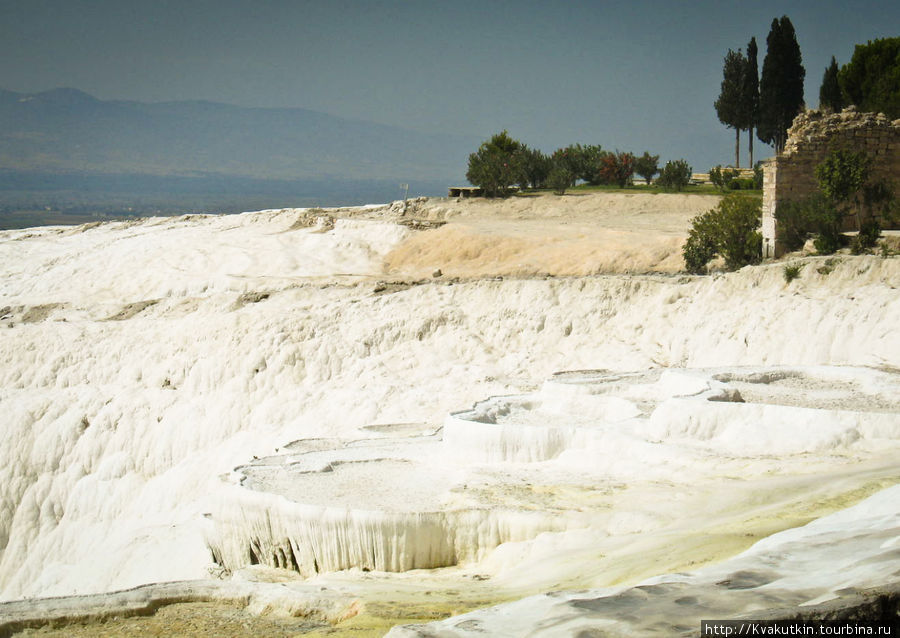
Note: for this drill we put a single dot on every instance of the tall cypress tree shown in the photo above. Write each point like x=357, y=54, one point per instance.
x=750, y=94
x=830, y=91
x=781, y=84
x=728, y=106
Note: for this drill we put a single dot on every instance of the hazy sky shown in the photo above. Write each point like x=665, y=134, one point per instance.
x=638, y=75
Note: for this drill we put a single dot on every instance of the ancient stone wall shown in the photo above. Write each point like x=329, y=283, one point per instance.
x=791, y=175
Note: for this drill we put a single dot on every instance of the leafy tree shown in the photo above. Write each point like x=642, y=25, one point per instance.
x=496, y=165
x=535, y=166
x=572, y=159
x=871, y=80
x=729, y=230
x=729, y=108
x=616, y=168
x=560, y=178
x=781, y=84
x=587, y=161
x=675, y=175
x=842, y=175
x=647, y=166
x=830, y=92
x=750, y=95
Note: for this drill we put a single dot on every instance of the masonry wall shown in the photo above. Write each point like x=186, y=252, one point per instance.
x=791, y=175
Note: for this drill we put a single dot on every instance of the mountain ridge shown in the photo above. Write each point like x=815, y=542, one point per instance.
x=68, y=130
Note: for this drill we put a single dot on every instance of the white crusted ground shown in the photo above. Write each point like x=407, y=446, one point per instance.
x=148, y=360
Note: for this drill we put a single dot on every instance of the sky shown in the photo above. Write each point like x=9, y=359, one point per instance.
x=638, y=75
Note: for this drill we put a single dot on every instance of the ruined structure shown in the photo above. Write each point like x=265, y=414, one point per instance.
x=791, y=175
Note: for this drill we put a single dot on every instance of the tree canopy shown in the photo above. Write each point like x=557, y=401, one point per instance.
x=871, y=80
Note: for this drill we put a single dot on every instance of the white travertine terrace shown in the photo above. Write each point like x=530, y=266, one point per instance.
x=155, y=372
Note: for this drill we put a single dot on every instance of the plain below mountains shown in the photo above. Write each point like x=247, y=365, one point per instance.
x=65, y=139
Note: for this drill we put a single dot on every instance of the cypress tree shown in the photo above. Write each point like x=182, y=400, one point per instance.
x=750, y=94
x=781, y=84
x=728, y=105
x=830, y=91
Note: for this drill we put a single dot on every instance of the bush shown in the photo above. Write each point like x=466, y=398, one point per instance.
x=675, y=175
x=792, y=271
x=758, y=176
x=797, y=220
x=729, y=230
x=616, y=168
x=742, y=184
x=700, y=246
x=722, y=178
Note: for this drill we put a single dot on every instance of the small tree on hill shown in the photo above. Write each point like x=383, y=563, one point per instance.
x=496, y=165
x=647, y=166
x=616, y=168
x=675, y=175
x=830, y=97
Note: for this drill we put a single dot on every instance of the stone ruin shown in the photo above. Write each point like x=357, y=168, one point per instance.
x=791, y=174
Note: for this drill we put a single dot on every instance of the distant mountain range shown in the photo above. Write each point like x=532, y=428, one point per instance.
x=66, y=131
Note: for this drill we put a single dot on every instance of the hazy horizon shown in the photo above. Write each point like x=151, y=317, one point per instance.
x=637, y=76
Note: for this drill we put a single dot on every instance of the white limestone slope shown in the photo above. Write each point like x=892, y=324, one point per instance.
x=145, y=361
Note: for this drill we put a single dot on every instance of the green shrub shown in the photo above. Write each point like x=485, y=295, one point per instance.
x=867, y=237
x=792, y=271
x=758, y=176
x=813, y=215
x=828, y=243
x=842, y=174
x=729, y=230
x=700, y=246
x=793, y=223
x=829, y=265
x=722, y=178
x=675, y=175
x=742, y=184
